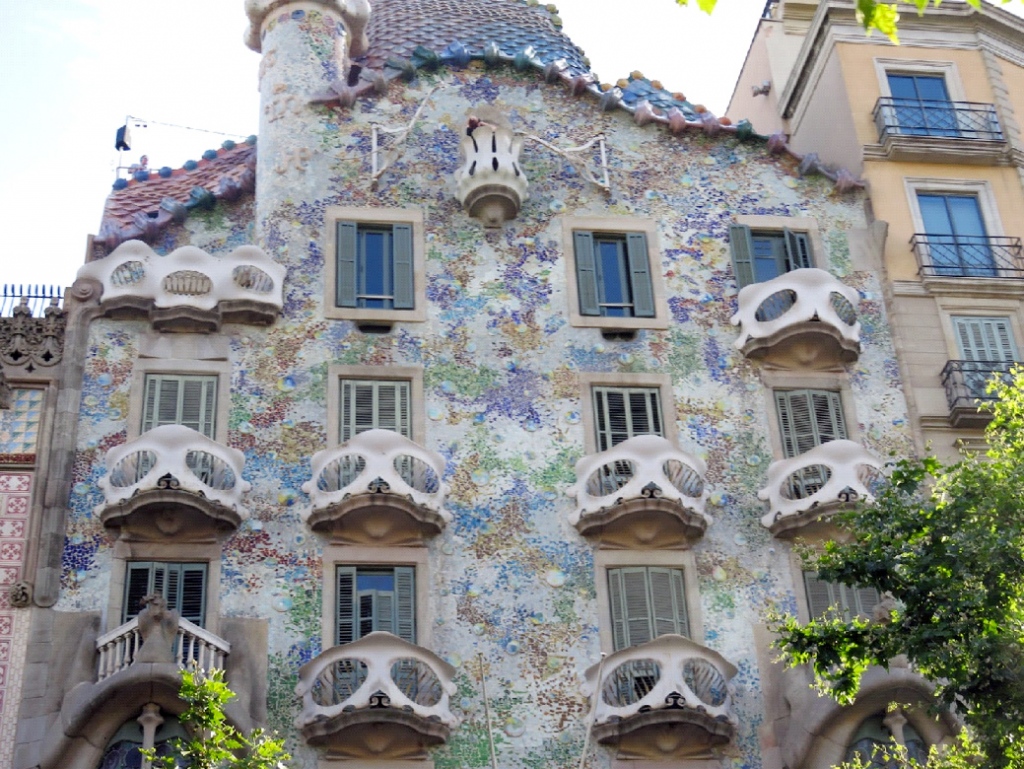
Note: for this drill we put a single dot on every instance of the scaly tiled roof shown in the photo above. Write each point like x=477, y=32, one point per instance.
x=141, y=207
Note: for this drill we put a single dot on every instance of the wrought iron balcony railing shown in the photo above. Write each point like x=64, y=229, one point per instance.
x=827, y=475
x=967, y=256
x=786, y=303
x=174, y=457
x=947, y=119
x=966, y=381
x=194, y=647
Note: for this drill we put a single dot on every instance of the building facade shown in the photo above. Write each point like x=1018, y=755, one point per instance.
x=466, y=418
x=934, y=127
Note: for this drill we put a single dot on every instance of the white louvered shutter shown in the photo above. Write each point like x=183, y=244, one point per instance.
x=172, y=399
x=808, y=418
x=985, y=339
x=368, y=405
x=621, y=413
x=345, y=605
x=646, y=602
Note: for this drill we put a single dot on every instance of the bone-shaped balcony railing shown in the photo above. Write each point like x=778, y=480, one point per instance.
x=837, y=471
x=642, y=467
x=175, y=457
x=379, y=670
x=378, y=461
x=670, y=672
x=194, y=647
x=796, y=297
x=187, y=277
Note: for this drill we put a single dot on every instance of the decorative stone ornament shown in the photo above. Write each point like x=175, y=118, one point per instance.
x=490, y=183
x=21, y=594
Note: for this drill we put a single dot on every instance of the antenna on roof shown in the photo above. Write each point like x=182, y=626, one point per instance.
x=123, y=140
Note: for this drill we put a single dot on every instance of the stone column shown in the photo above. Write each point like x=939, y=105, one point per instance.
x=150, y=720
x=305, y=46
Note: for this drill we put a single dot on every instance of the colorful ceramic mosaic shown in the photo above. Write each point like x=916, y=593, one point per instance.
x=513, y=585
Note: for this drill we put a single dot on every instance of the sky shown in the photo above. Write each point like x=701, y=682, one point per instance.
x=72, y=70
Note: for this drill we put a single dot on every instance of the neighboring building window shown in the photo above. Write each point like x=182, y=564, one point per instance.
x=986, y=347
x=759, y=255
x=613, y=274
x=646, y=602
x=374, y=405
x=922, y=105
x=620, y=413
x=180, y=399
x=371, y=598
x=871, y=739
x=375, y=266
x=808, y=418
x=958, y=244
x=825, y=598
x=183, y=586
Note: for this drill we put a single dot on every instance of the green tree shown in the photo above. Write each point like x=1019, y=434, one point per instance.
x=215, y=743
x=947, y=543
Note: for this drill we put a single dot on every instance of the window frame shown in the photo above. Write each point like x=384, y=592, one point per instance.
x=805, y=380
x=605, y=560
x=947, y=70
x=660, y=382
x=397, y=572
x=798, y=225
x=981, y=189
x=131, y=565
x=842, y=597
x=411, y=374
x=383, y=217
x=145, y=367
x=622, y=226
x=384, y=557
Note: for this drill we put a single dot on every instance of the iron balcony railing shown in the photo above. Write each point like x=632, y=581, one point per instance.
x=946, y=119
x=966, y=381
x=968, y=256
x=37, y=298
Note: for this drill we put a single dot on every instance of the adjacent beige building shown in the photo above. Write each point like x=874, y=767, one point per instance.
x=933, y=126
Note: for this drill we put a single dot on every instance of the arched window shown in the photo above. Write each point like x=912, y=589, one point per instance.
x=123, y=749
x=879, y=732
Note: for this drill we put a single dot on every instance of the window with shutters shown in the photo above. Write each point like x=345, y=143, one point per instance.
x=646, y=602
x=986, y=347
x=180, y=399
x=760, y=255
x=833, y=599
x=808, y=418
x=614, y=275
x=375, y=267
x=371, y=598
x=183, y=586
x=621, y=413
x=374, y=405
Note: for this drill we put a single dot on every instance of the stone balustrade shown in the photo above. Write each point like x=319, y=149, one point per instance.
x=189, y=289
x=817, y=481
x=174, y=458
x=194, y=647
x=802, y=303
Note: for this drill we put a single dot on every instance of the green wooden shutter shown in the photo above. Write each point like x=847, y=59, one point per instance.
x=851, y=602
x=863, y=600
x=405, y=603
x=808, y=418
x=368, y=405
x=137, y=587
x=668, y=601
x=640, y=275
x=345, y=608
x=347, y=236
x=183, y=586
x=404, y=294
x=985, y=339
x=798, y=250
x=172, y=399
x=820, y=595
x=741, y=244
x=586, y=272
x=192, y=597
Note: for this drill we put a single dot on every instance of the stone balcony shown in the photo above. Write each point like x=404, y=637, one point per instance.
x=173, y=482
x=378, y=697
x=802, y=318
x=807, y=488
x=665, y=699
x=644, y=492
x=194, y=648
x=378, y=488
x=188, y=289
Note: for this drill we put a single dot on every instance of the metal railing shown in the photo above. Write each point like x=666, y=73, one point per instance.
x=947, y=119
x=967, y=256
x=966, y=381
x=38, y=297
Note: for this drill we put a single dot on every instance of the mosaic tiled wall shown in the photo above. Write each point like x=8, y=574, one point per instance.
x=511, y=579
x=19, y=432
